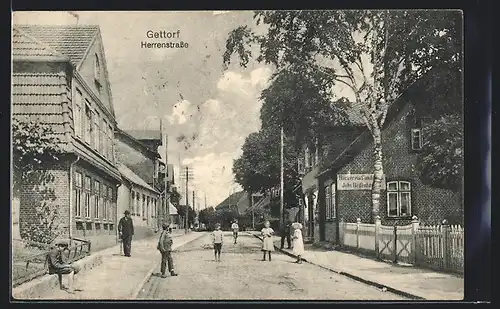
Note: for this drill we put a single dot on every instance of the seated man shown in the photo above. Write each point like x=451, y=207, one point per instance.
x=58, y=265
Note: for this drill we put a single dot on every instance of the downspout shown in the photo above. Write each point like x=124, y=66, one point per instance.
x=71, y=203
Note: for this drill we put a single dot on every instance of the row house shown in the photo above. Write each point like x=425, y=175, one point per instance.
x=141, y=200
x=338, y=174
x=139, y=159
x=60, y=79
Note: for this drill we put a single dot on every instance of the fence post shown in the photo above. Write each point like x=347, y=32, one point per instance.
x=377, y=235
x=341, y=232
x=444, y=230
x=395, y=244
x=358, y=222
x=414, y=245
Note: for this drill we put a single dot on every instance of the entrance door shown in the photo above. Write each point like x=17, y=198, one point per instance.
x=310, y=210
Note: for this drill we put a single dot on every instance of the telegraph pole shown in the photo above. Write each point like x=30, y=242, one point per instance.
x=186, y=214
x=282, y=181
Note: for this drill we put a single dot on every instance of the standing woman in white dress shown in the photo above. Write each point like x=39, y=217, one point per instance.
x=298, y=242
x=267, y=240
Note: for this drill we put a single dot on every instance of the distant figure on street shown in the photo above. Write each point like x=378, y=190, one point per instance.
x=58, y=265
x=126, y=230
x=165, y=247
x=235, y=229
x=217, y=241
x=298, y=242
x=285, y=234
x=267, y=241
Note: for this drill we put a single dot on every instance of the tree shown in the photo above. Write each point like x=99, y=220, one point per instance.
x=258, y=168
x=181, y=210
x=375, y=54
x=33, y=146
x=207, y=216
x=441, y=159
x=175, y=197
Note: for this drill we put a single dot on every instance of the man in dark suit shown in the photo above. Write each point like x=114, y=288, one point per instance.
x=285, y=234
x=165, y=248
x=126, y=230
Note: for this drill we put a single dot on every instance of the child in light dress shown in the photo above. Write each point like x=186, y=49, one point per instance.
x=267, y=240
x=298, y=242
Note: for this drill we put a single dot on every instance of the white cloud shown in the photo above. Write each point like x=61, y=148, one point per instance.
x=212, y=174
x=215, y=13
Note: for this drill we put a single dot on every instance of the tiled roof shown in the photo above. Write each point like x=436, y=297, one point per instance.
x=131, y=176
x=25, y=46
x=232, y=200
x=38, y=96
x=145, y=134
x=70, y=40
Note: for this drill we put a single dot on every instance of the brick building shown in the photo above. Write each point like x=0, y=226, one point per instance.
x=60, y=79
x=339, y=175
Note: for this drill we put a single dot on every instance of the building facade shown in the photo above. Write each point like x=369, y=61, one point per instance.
x=60, y=79
x=342, y=185
x=141, y=200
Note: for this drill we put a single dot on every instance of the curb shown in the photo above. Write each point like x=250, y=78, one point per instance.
x=38, y=286
x=156, y=264
x=368, y=282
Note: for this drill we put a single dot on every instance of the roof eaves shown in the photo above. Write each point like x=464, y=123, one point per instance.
x=138, y=142
x=58, y=54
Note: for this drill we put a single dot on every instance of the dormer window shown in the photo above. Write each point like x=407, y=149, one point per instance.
x=416, y=139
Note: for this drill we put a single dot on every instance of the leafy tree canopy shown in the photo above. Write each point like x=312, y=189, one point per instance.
x=441, y=160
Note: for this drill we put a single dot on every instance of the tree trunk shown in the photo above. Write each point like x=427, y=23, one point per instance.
x=378, y=171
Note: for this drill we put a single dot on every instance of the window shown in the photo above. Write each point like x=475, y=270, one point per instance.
x=398, y=199
x=416, y=139
x=330, y=201
x=97, y=68
x=307, y=157
x=88, y=123
x=132, y=204
x=137, y=204
x=87, y=196
x=143, y=205
x=97, y=136
x=109, y=214
x=77, y=194
x=110, y=143
x=97, y=196
x=77, y=115
x=106, y=202
x=97, y=73
x=104, y=134
x=154, y=209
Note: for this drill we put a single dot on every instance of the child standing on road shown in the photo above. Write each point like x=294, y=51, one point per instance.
x=217, y=241
x=267, y=241
x=298, y=242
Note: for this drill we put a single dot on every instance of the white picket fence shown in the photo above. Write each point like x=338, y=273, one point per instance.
x=439, y=247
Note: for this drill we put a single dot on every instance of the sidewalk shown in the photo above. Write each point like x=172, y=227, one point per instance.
x=120, y=277
x=415, y=282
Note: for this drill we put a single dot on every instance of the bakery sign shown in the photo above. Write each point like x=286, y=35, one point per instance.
x=356, y=181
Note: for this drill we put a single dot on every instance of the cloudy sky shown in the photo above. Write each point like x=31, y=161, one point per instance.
x=207, y=112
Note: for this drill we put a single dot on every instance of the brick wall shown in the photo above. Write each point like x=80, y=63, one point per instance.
x=430, y=205
x=47, y=186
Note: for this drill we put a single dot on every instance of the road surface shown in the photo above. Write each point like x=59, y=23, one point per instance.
x=241, y=275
